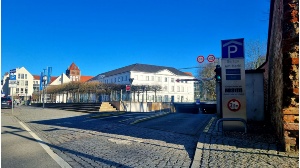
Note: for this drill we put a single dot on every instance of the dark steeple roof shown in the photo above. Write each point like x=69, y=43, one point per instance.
x=141, y=68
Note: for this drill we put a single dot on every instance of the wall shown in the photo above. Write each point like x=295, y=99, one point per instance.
x=142, y=106
x=282, y=77
x=255, y=95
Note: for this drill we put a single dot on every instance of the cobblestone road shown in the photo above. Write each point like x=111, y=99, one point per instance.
x=86, y=142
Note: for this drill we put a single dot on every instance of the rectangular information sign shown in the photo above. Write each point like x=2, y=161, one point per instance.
x=233, y=83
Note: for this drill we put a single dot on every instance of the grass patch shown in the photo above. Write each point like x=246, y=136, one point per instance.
x=108, y=114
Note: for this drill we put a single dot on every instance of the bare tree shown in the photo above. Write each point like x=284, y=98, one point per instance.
x=155, y=89
x=207, y=87
x=255, y=54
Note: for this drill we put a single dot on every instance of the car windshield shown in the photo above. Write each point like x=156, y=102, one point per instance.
x=5, y=99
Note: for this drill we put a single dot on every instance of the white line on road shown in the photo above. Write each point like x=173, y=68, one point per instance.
x=58, y=159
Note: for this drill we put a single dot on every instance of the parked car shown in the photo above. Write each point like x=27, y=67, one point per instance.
x=6, y=102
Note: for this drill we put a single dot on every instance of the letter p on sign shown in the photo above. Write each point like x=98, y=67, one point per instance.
x=233, y=48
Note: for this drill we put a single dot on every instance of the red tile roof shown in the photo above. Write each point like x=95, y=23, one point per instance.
x=188, y=73
x=85, y=78
x=37, y=77
x=73, y=66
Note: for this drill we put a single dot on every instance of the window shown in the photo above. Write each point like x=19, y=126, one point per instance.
x=166, y=79
x=17, y=90
x=166, y=98
x=22, y=76
x=182, y=89
x=26, y=83
x=159, y=79
x=178, y=89
x=21, y=83
x=147, y=78
x=172, y=80
x=172, y=88
x=152, y=78
x=19, y=76
x=25, y=76
x=22, y=90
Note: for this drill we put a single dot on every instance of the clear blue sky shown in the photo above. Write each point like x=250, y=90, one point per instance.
x=102, y=35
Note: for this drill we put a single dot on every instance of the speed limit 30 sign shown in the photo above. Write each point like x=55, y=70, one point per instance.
x=200, y=59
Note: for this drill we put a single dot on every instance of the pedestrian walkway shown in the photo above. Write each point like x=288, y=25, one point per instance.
x=238, y=149
x=22, y=148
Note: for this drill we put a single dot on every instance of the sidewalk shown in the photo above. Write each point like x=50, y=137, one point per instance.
x=21, y=147
x=237, y=149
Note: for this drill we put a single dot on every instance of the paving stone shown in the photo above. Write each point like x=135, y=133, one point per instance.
x=99, y=143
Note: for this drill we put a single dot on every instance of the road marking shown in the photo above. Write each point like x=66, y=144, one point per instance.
x=54, y=156
x=209, y=124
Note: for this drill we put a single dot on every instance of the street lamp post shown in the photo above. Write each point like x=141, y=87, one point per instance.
x=44, y=84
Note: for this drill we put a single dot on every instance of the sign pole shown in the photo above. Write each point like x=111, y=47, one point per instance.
x=12, y=101
x=219, y=99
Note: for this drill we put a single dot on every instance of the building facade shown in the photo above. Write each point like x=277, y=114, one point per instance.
x=73, y=72
x=152, y=75
x=24, y=87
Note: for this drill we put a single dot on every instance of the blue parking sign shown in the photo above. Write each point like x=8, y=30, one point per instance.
x=233, y=48
x=12, y=74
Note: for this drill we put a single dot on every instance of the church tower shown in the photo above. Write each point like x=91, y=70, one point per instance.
x=73, y=72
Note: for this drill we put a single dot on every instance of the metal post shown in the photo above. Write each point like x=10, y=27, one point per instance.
x=44, y=83
x=43, y=94
x=26, y=90
x=131, y=81
x=12, y=99
x=219, y=99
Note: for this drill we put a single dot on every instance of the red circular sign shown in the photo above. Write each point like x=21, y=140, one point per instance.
x=234, y=105
x=127, y=87
x=200, y=59
x=211, y=58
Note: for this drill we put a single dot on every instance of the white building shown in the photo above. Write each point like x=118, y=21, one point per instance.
x=58, y=81
x=149, y=75
x=24, y=88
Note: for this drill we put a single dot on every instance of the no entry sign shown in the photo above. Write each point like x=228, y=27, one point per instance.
x=127, y=87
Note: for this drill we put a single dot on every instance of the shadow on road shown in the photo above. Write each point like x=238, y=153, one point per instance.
x=85, y=122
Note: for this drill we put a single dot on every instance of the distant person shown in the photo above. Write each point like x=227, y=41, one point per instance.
x=17, y=101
